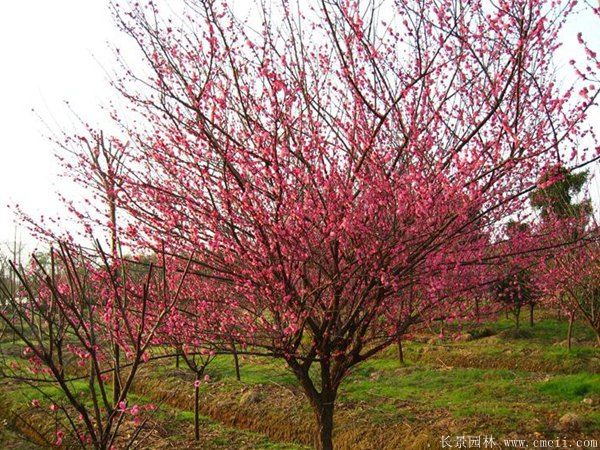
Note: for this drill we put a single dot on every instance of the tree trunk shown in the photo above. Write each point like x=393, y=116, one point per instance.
x=570, y=331
x=531, y=306
x=116, y=379
x=323, y=403
x=517, y=317
x=400, y=351
x=197, y=406
x=325, y=425
x=236, y=361
x=112, y=212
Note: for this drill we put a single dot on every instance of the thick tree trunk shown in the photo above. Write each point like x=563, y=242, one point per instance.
x=400, y=350
x=323, y=403
x=570, y=331
x=531, y=306
x=325, y=425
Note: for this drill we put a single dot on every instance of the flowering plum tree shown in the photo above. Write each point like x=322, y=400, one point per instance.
x=516, y=288
x=326, y=161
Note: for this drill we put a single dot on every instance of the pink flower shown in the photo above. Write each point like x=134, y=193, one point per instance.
x=206, y=378
x=59, y=437
x=53, y=407
x=35, y=403
x=135, y=409
x=122, y=405
x=197, y=384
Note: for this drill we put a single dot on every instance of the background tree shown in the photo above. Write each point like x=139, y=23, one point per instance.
x=94, y=162
x=516, y=288
x=570, y=279
x=560, y=212
x=557, y=193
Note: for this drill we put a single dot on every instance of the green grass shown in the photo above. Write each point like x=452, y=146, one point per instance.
x=464, y=392
x=509, y=395
x=497, y=383
x=546, y=331
x=571, y=387
x=259, y=371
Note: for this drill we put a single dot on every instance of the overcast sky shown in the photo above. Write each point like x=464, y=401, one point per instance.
x=54, y=51
x=51, y=52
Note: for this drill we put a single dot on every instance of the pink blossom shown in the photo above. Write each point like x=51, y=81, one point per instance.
x=59, y=438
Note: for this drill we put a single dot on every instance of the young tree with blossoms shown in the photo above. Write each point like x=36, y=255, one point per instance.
x=516, y=288
x=64, y=315
x=571, y=279
x=326, y=161
x=189, y=329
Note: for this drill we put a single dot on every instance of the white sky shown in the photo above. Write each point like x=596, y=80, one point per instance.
x=53, y=51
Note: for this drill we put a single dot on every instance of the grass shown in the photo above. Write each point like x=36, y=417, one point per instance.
x=176, y=423
x=435, y=388
x=571, y=387
x=499, y=383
